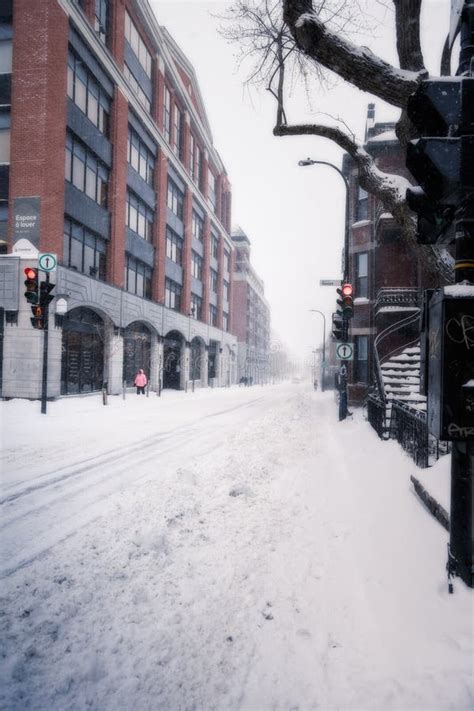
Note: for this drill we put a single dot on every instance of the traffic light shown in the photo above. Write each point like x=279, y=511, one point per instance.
x=337, y=327
x=45, y=296
x=441, y=164
x=31, y=285
x=435, y=224
x=346, y=302
x=39, y=316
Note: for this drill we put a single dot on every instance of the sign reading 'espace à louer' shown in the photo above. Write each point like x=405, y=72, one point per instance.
x=26, y=219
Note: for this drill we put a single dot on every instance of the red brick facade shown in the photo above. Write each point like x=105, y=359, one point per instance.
x=38, y=114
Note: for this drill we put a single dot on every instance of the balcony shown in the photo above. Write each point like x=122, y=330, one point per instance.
x=397, y=299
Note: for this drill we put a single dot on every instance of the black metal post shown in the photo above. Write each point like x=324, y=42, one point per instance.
x=44, y=382
x=461, y=545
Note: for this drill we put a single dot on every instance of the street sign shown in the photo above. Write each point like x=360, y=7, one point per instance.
x=330, y=282
x=47, y=262
x=345, y=351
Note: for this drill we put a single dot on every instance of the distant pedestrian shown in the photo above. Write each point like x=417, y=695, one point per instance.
x=315, y=384
x=140, y=381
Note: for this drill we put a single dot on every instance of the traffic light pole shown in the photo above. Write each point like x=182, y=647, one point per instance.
x=44, y=380
x=461, y=543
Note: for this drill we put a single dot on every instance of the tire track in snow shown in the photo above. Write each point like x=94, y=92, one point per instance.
x=71, y=500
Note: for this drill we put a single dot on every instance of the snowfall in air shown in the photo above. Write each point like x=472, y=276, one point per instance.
x=229, y=550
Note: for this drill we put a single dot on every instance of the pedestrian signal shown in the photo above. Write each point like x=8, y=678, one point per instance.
x=39, y=316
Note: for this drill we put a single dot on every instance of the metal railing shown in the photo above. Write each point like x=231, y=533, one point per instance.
x=377, y=415
x=409, y=427
x=397, y=296
x=399, y=325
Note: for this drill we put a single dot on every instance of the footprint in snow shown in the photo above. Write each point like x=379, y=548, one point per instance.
x=241, y=490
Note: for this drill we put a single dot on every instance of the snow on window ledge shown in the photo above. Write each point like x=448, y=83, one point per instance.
x=361, y=223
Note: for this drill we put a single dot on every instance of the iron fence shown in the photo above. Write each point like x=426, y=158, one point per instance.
x=377, y=415
x=410, y=428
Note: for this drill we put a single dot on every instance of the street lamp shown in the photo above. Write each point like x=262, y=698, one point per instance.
x=323, y=368
x=310, y=161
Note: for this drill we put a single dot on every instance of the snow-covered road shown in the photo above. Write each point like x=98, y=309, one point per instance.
x=235, y=549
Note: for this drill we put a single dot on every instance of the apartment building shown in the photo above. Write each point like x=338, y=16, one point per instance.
x=250, y=315
x=388, y=280
x=106, y=148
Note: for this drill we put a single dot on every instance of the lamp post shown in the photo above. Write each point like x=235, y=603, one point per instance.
x=310, y=161
x=323, y=368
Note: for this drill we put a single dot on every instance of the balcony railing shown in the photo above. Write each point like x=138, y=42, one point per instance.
x=397, y=298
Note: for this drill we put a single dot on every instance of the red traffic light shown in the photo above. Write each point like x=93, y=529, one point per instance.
x=347, y=290
x=30, y=273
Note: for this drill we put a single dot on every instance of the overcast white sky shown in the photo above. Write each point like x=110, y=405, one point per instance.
x=293, y=216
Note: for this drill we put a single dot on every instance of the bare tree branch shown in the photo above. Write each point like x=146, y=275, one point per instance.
x=357, y=65
x=389, y=189
x=407, y=25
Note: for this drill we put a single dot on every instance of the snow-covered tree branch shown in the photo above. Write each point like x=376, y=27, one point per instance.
x=313, y=35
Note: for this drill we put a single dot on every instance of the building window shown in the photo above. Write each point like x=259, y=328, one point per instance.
x=178, y=132
x=137, y=277
x=197, y=227
x=136, y=88
x=362, y=204
x=84, y=251
x=175, y=199
x=226, y=290
x=167, y=115
x=213, y=281
x=212, y=315
x=225, y=322
x=139, y=217
x=172, y=295
x=196, y=307
x=6, y=53
x=87, y=94
x=174, y=246
x=361, y=362
x=101, y=19
x=212, y=190
x=362, y=279
x=139, y=157
x=5, y=133
x=226, y=261
x=196, y=266
x=214, y=246
x=137, y=44
x=85, y=171
x=198, y=176
x=192, y=156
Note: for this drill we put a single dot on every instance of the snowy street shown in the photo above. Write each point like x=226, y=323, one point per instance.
x=231, y=549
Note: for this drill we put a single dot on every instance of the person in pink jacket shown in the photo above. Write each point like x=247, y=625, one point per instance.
x=140, y=381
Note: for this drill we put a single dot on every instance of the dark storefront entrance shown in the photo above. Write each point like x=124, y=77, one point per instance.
x=82, y=360
x=212, y=362
x=172, y=360
x=136, y=351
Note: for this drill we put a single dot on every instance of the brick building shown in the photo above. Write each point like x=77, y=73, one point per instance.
x=250, y=315
x=106, y=146
x=388, y=281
